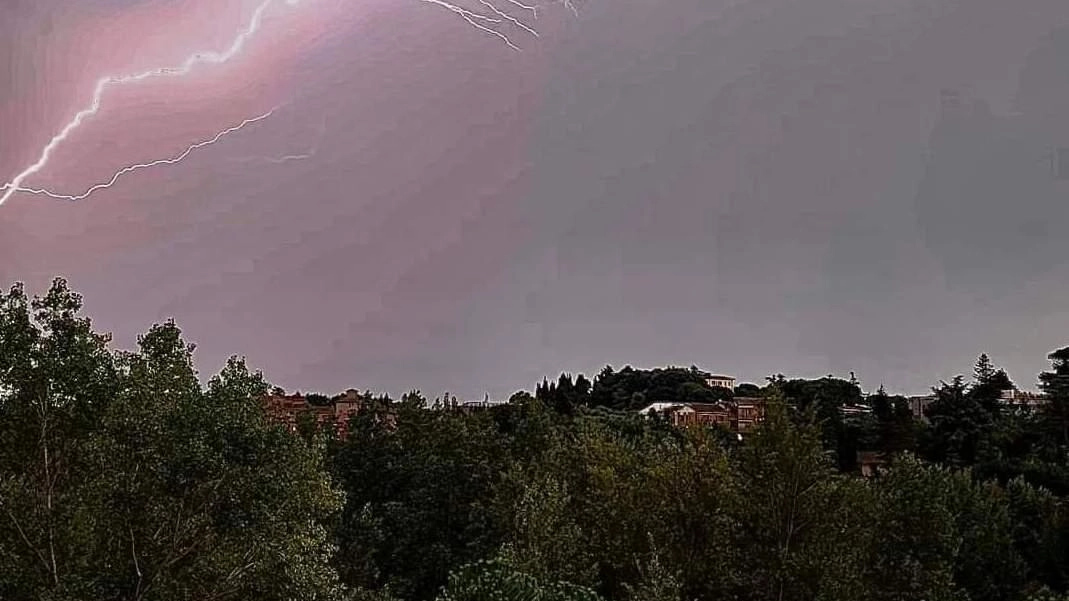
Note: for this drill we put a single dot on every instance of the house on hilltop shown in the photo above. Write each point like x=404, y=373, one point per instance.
x=337, y=411
x=721, y=382
x=737, y=415
x=749, y=411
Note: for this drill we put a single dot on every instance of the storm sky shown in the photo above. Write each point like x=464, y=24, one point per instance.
x=750, y=186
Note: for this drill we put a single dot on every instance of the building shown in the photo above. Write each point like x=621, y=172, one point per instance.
x=345, y=407
x=854, y=410
x=658, y=407
x=708, y=414
x=737, y=415
x=287, y=409
x=1020, y=398
x=917, y=405
x=721, y=382
x=749, y=411
x=483, y=405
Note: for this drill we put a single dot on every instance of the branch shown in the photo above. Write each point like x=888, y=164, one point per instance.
x=49, y=484
x=176, y=553
x=25, y=539
x=137, y=564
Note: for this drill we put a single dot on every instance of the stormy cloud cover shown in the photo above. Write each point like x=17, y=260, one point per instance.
x=751, y=186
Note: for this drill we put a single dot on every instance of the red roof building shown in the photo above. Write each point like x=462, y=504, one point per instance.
x=286, y=409
x=737, y=415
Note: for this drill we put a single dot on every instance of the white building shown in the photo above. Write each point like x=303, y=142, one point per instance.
x=721, y=382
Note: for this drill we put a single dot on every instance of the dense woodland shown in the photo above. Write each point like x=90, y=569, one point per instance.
x=123, y=477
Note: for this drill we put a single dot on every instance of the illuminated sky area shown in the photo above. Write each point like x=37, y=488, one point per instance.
x=751, y=186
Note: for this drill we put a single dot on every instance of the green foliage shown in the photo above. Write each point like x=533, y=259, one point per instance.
x=591, y=508
x=361, y=594
x=748, y=390
x=564, y=395
x=126, y=480
x=1048, y=595
x=497, y=581
x=826, y=398
x=893, y=430
x=633, y=389
x=657, y=583
x=960, y=425
x=988, y=385
x=801, y=525
x=122, y=477
x=418, y=495
x=1056, y=386
x=1040, y=531
x=943, y=536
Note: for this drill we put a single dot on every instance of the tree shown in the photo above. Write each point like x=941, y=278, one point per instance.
x=520, y=397
x=1041, y=532
x=419, y=489
x=496, y=580
x=564, y=395
x=895, y=430
x=611, y=493
x=802, y=526
x=56, y=374
x=142, y=485
x=960, y=425
x=658, y=583
x=631, y=389
x=826, y=398
x=747, y=390
x=914, y=535
x=988, y=566
x=938, y=534
x=988, y=385
x=716, y=393
x=1055, y=385
x=545, y=538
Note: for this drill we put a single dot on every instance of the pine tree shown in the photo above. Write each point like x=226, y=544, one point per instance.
x=988, y=385
x=1055, y=384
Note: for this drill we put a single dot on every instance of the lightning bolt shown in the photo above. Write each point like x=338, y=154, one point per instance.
x=137, y=167
x=284, y=159
x=474, y=19
x=533, y=9
x=105, y=82
x=481, y=21
x=496, y=17
x=278, y=160
x=508, y=17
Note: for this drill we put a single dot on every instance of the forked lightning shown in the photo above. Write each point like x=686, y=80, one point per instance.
x=138, y=166
x=479, y=20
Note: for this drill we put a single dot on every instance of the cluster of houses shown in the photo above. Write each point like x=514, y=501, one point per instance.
x=287, y=409
x=738, y=414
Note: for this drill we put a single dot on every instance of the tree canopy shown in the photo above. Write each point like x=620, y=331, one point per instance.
x=125, y=476
x=121, y=477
